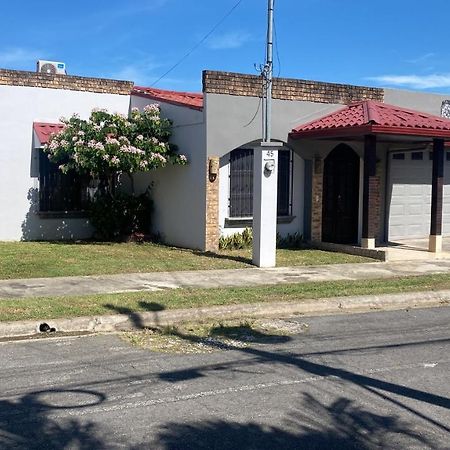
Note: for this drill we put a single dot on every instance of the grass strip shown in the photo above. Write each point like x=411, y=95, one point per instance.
x=127, y=303
x=57, y=259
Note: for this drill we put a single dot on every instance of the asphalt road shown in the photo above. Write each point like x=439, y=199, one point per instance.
x=378, y=380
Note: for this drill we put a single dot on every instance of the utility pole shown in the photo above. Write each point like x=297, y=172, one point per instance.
x=268, y=76
x=265, y=168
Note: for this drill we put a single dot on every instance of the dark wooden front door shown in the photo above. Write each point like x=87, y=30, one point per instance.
x=340, y=196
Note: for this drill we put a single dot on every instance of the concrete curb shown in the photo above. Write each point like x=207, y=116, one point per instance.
x=110, y=323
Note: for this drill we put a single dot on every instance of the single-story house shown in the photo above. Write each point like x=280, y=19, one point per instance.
x=357, y=165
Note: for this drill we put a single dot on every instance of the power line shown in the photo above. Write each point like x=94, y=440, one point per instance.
x=276, y=41
x=256, y=113
x=204, y=38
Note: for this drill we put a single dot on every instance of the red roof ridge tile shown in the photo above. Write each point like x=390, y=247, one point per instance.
x=45, y=129
x=189, y=99
x=371, y=116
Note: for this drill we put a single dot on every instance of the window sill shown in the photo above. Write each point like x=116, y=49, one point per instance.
x=240, y=222
x=63, y=214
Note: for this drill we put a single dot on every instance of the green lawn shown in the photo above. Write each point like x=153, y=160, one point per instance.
x=54, y=307
x=43, y=259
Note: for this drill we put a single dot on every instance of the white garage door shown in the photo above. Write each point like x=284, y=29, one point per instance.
x=410, y=195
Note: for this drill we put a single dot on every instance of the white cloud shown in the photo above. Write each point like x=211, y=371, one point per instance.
x=415, y=81
x=18, y=56
x=421, y=59
x=234, y=39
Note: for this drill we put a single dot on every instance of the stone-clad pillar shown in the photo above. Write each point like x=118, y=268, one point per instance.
x=212, y=205
x=316, y=203
x=371, y=193
x=437, y=190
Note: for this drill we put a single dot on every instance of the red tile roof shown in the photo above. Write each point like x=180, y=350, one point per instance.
x=45, y=130
x=374, y=117
x=190, y=99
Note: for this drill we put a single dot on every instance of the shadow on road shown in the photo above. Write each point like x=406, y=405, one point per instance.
x=377, y=387
x=28, y=423
x=338, y=426
x=42, y=420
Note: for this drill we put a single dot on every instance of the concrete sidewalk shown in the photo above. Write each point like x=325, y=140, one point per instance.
x=102, y=284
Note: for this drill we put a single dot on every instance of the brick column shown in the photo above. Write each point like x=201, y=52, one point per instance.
x=212, y=205
x=437, y=190
x=316, y=203
x=371, y=193
x=378, y=203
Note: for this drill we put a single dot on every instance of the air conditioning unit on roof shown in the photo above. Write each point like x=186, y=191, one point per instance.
x=52, y=67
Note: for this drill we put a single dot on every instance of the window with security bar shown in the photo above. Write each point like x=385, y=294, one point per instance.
x=58, y=191
x=241, y=183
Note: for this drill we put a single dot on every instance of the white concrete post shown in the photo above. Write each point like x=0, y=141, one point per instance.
x=265, y=186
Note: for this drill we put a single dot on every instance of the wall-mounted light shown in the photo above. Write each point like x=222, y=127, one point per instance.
x=213, y=169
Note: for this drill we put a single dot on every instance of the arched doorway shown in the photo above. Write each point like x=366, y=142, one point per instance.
x=340, y=196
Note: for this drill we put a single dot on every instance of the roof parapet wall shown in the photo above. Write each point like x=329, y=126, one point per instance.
x=67, y=82
x=288, y=88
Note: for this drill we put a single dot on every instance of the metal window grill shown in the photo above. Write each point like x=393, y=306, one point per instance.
x=59, y=191
x=241, y=183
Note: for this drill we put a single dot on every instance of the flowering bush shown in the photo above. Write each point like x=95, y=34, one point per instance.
x=108, y=144
x=103, y=147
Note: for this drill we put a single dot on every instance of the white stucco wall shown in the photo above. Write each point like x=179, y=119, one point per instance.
x=179, y=192
x=19, y=108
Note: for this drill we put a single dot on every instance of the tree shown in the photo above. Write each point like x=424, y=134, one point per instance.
x=107, y=145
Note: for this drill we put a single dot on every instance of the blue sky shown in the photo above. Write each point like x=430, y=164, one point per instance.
x=393, y=43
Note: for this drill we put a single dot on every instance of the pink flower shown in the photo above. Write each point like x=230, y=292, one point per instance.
x=153, y=108
x=112, y=141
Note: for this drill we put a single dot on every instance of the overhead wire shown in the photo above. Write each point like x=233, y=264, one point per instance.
x=260, y=70
x=276, y=42
x=199, y=43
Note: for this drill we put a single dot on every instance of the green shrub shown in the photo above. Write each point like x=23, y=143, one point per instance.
x=291, y=241
x=243, y=240
x=121, y=214
x=237, y=241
